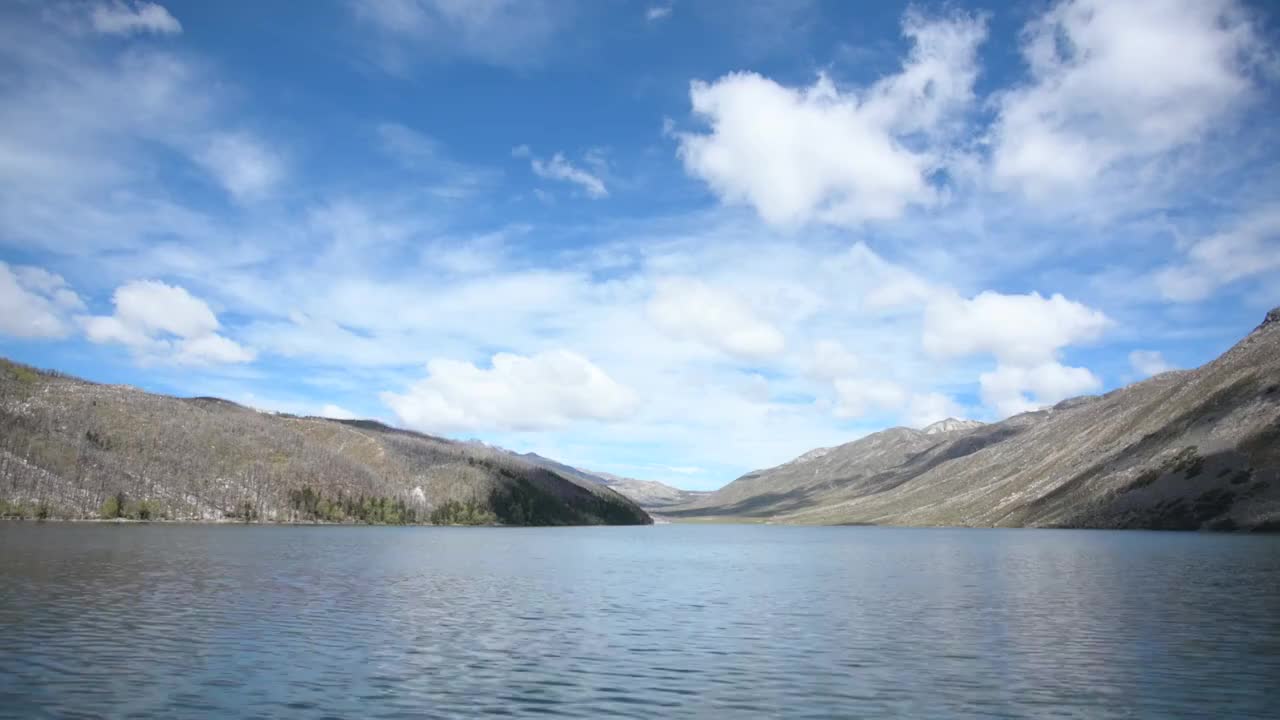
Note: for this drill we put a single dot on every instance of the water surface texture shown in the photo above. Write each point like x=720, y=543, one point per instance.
x=177, y=621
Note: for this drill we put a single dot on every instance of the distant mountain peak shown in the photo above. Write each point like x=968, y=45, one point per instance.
x=812, y=455
x=950, y=425
x=648, y=494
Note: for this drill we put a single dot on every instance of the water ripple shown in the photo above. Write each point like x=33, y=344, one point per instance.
x=193, y=621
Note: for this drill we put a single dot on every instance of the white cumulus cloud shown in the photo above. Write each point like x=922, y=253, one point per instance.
x=1025, y=333
x=165, y=323
x=1017, y=329
x=838, y=156
x=1011, y=389
x=1119, y=80
x=524, y=393
x=153, y=306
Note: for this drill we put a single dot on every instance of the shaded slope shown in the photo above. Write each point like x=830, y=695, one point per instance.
x=69, y=446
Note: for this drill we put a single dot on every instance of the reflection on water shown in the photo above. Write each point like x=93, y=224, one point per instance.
x=671, y=620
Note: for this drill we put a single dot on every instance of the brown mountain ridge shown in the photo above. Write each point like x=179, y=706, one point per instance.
x=75, y=449
x=1192, y=449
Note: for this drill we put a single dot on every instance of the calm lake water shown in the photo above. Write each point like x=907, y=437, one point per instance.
x=177, y=621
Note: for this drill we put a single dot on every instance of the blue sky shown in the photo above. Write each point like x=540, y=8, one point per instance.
x=670, y=240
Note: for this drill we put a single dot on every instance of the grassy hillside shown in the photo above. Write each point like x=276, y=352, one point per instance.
x=75, y=449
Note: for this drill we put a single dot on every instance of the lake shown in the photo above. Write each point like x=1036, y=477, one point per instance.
x=673, y=621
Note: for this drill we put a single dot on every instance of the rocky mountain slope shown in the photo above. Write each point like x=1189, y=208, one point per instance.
x=651, y=494
x=951, y=425
x=71, y=448
x=1183, y=450
x=648, y=494
x=796, y=484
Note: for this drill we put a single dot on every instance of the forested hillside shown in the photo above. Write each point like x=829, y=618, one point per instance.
x=76, y=449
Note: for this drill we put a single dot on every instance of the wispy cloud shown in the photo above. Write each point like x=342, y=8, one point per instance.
x=242, y=165
x=507, y=33
x=558, y=168
x=1249, y=249
x=1149, y=362
x=423, y=154
x=35, y=303
x=656, y=13
x=126, y=18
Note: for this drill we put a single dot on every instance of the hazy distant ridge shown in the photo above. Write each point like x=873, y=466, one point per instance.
x=648, y=494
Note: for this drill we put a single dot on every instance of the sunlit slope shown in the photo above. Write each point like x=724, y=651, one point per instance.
x=1187, y=450
x=67, y=447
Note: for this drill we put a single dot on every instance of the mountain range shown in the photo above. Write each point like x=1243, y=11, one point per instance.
x=75, y=449
x=648, y=494
x=1190, y=449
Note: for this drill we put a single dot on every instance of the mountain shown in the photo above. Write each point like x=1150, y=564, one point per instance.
x=568, y=471
x=1194, y=449
x=648, y=494
x=950, y=425
x=76, y=449
x=799, y=483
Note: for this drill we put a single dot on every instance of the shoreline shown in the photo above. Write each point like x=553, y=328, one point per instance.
x=664, y=521
x=283, y=523
x=194, y=521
